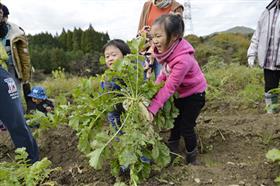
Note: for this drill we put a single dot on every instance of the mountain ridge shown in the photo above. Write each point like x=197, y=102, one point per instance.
x=239, y=29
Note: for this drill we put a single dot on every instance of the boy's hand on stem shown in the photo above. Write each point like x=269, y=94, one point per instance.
x=49, y=109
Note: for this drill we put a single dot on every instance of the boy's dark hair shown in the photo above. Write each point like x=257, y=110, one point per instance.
x=173, y=25
x=120, y=44
x=5, y=10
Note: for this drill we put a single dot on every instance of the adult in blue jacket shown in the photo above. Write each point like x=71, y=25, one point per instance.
x=11, y=114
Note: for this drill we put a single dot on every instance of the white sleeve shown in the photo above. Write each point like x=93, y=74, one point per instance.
x=253, y=48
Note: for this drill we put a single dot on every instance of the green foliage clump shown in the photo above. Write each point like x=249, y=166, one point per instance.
x=204, y=52
x=194, y=40
x=43, y=122
x=60, y=83
x=231, y=47
x=233, y=83
x=234, y=46
x=274, y=156
x=136, y=144
x=20, y=172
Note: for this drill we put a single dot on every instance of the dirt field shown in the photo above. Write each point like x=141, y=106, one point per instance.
x=233, y=143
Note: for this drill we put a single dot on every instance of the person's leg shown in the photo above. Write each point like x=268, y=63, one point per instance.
x=114, y=120
x=11, y=114
x=12, y=71
x=271, y=79
x=192, y=106
x=174, y=138
x=175, y=131
x=29, y=103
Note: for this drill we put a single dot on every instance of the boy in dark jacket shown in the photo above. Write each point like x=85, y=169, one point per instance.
x=40, y=100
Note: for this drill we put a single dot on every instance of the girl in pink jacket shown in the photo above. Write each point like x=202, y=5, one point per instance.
x=182, y=74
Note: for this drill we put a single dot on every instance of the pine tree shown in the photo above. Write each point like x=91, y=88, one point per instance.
x=63, y=39
x=77, y=34
x=69, y=41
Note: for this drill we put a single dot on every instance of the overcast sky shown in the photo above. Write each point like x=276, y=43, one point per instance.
x=120, y=17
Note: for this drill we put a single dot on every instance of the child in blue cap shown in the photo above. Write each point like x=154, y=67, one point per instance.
x=40, y=100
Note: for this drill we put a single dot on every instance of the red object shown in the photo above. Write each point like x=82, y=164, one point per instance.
x=156, y=12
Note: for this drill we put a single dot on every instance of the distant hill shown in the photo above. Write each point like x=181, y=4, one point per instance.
x=240, y=29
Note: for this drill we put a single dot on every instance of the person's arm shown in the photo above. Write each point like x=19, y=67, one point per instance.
x=253, y=48
x=161, y=77
x=50, y=103
x=179, y=10
x=49, y=106
x=173, y=81
x=24, y=57
x=142, y=17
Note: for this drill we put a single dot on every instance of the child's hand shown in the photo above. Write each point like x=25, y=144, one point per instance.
x=150, y=117
x=149, y=73
x=146, y=65
x=144, y=31
x=146, y=113
x=49, y=109
x=176, y=13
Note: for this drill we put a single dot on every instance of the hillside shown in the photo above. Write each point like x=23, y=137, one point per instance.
x=240, y=29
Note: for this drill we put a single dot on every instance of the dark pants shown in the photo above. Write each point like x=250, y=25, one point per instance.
x=26, y=88
x=11, y=114
x=189, y=108
x=30, y=105
x=12, y=71
x=114, y=117
x=114, y=120
x=271, y=79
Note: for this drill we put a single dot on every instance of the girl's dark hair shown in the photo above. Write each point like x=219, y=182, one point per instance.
x=173, y=25
x=120, y=44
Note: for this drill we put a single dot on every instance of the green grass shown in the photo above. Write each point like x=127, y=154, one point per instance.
x=234, y=84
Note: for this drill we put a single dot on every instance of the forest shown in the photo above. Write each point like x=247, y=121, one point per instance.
x=75, y=51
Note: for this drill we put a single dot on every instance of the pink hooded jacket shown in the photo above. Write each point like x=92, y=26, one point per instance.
x=180, y=72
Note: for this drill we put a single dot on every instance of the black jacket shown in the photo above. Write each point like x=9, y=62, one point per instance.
x=42, y=106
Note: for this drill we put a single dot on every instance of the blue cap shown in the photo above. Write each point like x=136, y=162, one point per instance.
x=38, y=93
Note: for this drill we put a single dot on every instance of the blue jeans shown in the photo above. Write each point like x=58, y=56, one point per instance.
x=157, y=67
x=11, y=114
x=12, y=71
x=114, y=120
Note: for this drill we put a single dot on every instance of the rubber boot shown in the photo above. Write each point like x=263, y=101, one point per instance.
x=271, y=102
x=174, y=148
x=191, y=157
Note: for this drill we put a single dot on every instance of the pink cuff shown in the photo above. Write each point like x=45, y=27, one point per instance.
x=154, y=108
